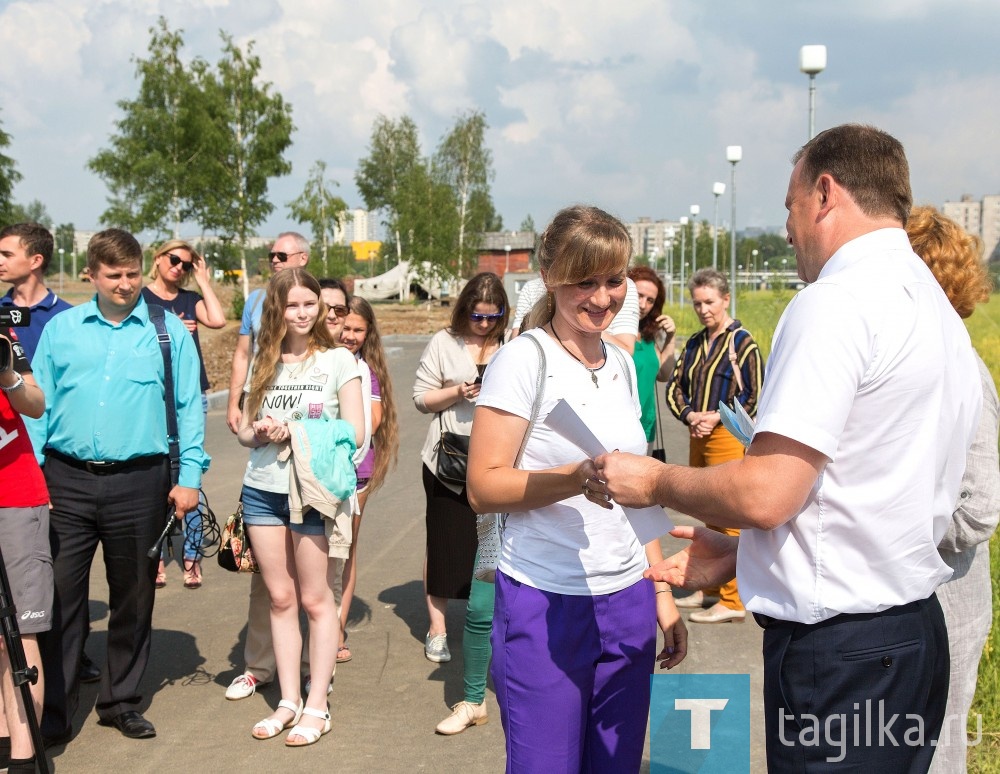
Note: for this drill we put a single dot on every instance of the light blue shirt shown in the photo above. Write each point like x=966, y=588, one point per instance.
x=103, y=385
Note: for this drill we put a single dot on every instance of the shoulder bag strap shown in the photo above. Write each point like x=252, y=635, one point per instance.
x=156, y=316
x=536, y=404
x=621, y=361
x=737, y=374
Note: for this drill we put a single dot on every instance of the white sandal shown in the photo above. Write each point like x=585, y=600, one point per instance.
x=272, y=726
x=310, y=735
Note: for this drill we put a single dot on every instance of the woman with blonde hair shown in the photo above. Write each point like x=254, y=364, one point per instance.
x=575, y=623
x=955, y=259
x=174, y=262
x=298, y=372
x=359, y=333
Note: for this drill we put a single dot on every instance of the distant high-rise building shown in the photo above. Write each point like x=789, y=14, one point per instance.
x=981, y=218
x=356, y=225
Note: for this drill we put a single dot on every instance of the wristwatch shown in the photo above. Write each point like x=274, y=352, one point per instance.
x=18, y=384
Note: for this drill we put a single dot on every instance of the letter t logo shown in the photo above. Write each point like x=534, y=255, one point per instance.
x=701, y=719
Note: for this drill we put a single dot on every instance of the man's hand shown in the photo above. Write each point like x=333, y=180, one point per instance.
x=710, y=560
x=184, y=499
x=233, y=417
x=629, y=479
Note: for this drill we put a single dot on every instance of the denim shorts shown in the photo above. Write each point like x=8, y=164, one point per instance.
x=270, y=509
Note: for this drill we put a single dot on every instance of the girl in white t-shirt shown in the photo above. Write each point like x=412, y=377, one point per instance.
x=574, y=627
x=298, y=372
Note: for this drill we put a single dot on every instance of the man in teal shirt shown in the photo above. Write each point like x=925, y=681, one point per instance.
x=103, y=444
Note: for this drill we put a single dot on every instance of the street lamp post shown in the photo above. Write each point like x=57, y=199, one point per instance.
x=62, y=271
x=717, y=190
x=753, y=259
x=812, y=61
x=507, y=264
x=734, y=154
x=695, y=209
x=684, y=222
x=670, y=263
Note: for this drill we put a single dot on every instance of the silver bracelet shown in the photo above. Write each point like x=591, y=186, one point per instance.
x=17, y=385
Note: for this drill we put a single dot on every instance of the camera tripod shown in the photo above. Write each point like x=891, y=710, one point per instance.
x=23, y=675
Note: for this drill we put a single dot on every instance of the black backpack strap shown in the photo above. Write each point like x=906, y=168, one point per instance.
x=157, y=317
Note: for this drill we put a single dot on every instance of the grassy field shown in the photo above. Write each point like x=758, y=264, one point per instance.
x=759, y=312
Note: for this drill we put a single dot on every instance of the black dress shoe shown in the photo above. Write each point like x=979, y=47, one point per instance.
x=132, y=724
x=88, y=671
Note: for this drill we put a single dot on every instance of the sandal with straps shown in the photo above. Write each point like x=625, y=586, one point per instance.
x=310, y=735
x=271, y=727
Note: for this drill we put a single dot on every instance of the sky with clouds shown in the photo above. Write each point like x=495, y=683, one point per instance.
x=628, y=105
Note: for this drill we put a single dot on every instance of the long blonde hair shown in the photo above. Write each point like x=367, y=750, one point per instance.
x=272, y=331
x=386, y=438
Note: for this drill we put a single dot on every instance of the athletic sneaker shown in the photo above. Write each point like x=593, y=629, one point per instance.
x=243, y=686
x=436, y=648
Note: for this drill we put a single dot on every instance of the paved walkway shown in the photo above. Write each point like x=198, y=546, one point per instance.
x=386, y=701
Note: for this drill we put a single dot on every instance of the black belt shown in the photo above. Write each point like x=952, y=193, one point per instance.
x=104, y=468
x=768, y=622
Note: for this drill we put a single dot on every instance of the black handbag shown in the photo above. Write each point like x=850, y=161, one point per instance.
x=453, y=457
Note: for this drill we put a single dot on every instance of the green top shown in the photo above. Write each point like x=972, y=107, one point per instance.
x=647, y=366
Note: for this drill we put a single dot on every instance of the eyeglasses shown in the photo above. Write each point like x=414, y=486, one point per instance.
x=340, y=310
x=176, y=260
x=282, y=257
x=477, y=317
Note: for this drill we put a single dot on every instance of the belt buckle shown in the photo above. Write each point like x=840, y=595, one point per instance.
x=98, y=468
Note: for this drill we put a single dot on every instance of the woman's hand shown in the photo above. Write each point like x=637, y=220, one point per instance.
x=201, y=275
x=666, y=324
x=191, y=325
x=675, y=635
x=266, y=431
x=469, y=390
x=703, y=423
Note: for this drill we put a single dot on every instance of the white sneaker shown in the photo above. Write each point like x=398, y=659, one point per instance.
x=436, y=648
x=243, y=686
x=463, y=715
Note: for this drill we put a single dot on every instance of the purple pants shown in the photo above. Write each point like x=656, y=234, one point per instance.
x=571, y=675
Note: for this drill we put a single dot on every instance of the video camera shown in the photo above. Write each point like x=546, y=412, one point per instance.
x=15, y=317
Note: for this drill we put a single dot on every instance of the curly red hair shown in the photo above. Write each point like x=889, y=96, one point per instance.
x=954, y=257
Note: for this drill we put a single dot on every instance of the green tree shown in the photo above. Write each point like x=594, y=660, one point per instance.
x=9, y=177
x=154, y=166
x=319, y=207
x=528, y=224
x=389, y=168
x=250, y=130
x=429, y=223
x=32, y=212
x=465, y=163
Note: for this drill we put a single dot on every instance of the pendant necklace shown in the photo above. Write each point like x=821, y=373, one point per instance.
x=593, y=371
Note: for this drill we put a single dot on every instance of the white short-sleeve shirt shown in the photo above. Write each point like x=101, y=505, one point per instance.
x=573, y=546
x=306, y=390
x=872, y=367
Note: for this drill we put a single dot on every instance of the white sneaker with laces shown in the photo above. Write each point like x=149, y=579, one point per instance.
x=243, y=686
x=436, y=648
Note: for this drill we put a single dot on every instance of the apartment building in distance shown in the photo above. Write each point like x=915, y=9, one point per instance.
x=981, y=218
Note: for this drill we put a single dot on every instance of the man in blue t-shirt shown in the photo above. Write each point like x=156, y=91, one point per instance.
x=25, y=254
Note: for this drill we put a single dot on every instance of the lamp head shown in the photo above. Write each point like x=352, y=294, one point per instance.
x=684, y=220
x=718, y=188
x=695, y=209
x=734, y=153
x=812, y=59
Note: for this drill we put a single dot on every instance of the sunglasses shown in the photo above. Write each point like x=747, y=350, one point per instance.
x=477, y=317
x=282, y=257
x=176, y=260
x=340, y=310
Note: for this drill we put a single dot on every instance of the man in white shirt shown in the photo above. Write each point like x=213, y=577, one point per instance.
x=869, y=406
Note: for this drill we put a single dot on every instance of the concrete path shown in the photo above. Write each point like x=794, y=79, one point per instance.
x=387, y=700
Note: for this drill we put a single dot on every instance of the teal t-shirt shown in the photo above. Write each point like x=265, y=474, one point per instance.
x=647, y=365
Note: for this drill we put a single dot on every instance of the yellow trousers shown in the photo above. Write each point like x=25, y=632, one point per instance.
x=721, y=446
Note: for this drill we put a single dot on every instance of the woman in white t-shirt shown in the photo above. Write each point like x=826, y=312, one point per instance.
x=574, y=629
x=297, y=373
